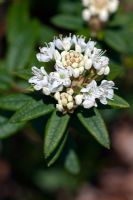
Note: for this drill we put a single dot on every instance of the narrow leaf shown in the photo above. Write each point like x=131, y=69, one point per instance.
x=31, y=110
x=7, y=129
x=69, y=22
x=72, y=162
x=14, y=101
x=96, y=126
x=58, y=152
x=54, y=132
x=118, y=102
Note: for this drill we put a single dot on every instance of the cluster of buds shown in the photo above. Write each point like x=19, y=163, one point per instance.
x=98, y=10
x=76, y=68
x=65, y=101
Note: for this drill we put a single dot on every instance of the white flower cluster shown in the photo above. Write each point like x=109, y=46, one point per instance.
x=100, y=8
x=75, y=67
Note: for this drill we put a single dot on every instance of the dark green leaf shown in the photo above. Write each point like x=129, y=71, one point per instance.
x=95, y=125
x=14, y=101
x=31, y=110
x=59, y=150
x=24, y=73
x=116, y=70
x=72, y=162
x=46, y=34
x=118, y=102
x=17, y=19
x=7, y=129
x=54, y=132
x=120, y=40
x=122, y=19
x=68, y=22
x=20, y=50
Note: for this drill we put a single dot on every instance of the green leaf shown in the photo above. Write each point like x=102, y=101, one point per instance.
x=95, y=125
x=118, y=102
x=23, y=73
x=6, y=80
x=53, y=179
x=8, y=129
x=14, y=101
x=46, y=34
x=17, y=19
x=70, y=7
x=31, y=110
x=120, y=41
x=72, y=162
x=54, y=132
x=58, y=152
x=68, y=22
x=122, y=19
x=116, y=70
x=20, y=50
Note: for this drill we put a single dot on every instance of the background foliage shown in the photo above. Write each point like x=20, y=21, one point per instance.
x=24, y=118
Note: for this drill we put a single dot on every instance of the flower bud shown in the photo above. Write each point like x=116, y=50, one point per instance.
x=64, y=101
x=70, y=91
x=107, y=70
x=86, y=14
x=57, y=96
x=70, y=105
x=78, y=99
x=70, y=98
x=59, y=107
x=76, y=73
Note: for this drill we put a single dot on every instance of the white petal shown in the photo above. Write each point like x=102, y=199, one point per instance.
x=46, y=91
x=57, y=55
x=88, y=104
x=103, y=100
x=38, y=87
x=88, y=64
x=58, y=44
x=78, y=48
x=43, y=58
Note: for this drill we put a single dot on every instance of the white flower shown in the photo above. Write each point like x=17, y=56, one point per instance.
x=106, y=90
x=76, y=65
x=100, y=8
x=59, y=79
x=46, y=53
x=100, y=62
x=63, y=43
x=80, y=43
x=40, y=78
x=90, y=93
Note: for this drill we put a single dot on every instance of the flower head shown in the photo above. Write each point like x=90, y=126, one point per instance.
x=72, y=80
x=99, y=8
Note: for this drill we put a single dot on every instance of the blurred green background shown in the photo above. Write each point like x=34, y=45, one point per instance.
x=93, y=173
